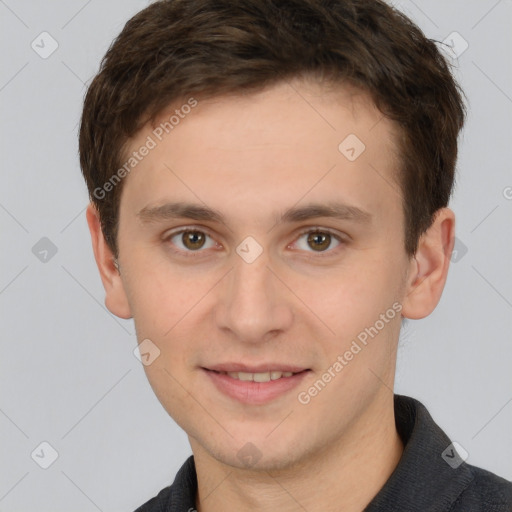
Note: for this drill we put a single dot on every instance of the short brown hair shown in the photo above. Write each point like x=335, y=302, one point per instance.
x=177, y=48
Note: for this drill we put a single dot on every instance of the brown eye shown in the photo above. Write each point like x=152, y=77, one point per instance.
x=187, y=242
x=319, y=241
x=193, y=240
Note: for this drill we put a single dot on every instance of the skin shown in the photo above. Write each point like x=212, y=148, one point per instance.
x=251, y=158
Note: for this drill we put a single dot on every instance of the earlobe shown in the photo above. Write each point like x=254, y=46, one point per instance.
x=116, y=300
x=429, y=266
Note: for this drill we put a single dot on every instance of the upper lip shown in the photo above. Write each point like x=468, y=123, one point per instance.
x=259, y=368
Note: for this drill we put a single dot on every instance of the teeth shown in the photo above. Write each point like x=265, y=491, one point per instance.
x=259, y=377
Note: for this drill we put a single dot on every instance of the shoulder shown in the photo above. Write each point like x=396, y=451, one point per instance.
x=180, y=495
x=486, y=492
x=158, y=503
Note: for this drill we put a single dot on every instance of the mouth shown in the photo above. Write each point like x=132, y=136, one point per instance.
x=259, y=376
x=255, y=387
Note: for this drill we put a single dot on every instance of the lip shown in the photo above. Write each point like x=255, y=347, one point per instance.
x=260, y=368
x=254, y=393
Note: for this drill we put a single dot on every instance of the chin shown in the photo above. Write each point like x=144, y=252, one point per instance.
x=257, y=454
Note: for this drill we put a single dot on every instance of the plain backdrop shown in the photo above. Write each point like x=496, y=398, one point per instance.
x=69, y=377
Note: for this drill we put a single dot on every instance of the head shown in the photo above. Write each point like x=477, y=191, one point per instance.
x=243, y=116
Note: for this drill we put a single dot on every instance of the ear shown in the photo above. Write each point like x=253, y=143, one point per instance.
x=429, y=266
x=116, y=300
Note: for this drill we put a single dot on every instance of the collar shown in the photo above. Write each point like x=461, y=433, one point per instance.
x=423, y=478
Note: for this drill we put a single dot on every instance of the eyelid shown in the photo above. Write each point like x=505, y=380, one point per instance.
x=193, y=254
x=342, y=239
x=313, y=229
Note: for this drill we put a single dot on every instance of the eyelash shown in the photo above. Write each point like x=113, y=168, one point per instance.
x=312, y=229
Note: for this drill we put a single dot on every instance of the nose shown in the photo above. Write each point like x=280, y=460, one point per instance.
x=254, y=304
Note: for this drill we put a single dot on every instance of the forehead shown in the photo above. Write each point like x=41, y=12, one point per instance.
x=266, y=149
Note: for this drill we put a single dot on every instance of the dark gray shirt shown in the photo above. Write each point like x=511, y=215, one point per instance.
x=430, y=477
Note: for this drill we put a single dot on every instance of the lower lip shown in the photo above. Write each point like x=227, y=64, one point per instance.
x=255, y=393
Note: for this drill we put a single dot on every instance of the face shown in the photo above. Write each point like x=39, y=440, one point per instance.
x=267, y=280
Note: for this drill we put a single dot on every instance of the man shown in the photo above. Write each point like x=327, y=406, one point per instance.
x=269, y=188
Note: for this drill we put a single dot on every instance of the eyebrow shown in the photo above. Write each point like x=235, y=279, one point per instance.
x=178, y=210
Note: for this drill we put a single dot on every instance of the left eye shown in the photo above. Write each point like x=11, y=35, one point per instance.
x=319, y=240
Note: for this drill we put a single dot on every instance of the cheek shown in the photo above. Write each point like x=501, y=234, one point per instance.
x=353, y=299
x=358, y=291
x=170, y=387
x=169, y=309
x=159, y=298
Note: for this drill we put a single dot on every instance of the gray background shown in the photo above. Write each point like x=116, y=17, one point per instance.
x=69, y=376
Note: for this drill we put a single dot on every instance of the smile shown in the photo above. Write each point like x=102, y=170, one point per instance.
x=256, y=388
x=258, y=377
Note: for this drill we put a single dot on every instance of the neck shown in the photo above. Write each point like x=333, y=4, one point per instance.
x=343, y=476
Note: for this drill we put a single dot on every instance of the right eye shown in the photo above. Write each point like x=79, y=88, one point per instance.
x=188, y=240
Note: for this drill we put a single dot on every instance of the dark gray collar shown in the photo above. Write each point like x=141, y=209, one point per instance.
x=430, y=474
